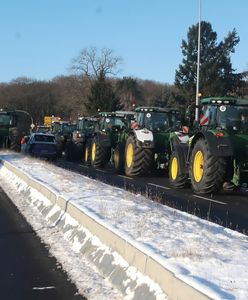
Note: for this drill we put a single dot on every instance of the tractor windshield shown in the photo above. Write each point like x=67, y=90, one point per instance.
x=158, y=121
x=233, y=118
x=88, y=125
x=229, y=117
x=112, y=123
x=6, y=120
x=69, y=128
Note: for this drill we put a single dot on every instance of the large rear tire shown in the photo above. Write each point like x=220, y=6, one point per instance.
x=100, y=155
x=207, y=172
x=138, y=160
x=177, y=170
x=74, y=152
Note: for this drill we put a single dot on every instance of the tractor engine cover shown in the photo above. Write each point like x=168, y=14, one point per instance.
x=144, y=138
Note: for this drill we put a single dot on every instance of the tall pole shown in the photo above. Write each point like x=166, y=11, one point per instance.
x=198, y=63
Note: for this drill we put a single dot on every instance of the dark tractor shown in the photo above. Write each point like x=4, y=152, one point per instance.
x=79, y=144
x=13, y=126
x=148, y=145
x=217, y=154
x=62, y=131
x=112, y=125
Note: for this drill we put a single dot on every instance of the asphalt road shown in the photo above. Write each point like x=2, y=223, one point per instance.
x=27, y=272
x=227, y=208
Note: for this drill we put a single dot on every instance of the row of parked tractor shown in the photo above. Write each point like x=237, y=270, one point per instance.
x=209, y=153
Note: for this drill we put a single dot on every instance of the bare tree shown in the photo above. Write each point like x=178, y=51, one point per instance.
x=94, y=64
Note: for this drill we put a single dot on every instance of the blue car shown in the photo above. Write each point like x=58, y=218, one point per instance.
x=41, y=145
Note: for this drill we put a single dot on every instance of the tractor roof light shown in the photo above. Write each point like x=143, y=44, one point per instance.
x=213, y=101
x=219, y=101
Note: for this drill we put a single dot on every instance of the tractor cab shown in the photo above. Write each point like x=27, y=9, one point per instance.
x=228, y=114
x=13, y=126
x=217, y=155
x=115, y=121
x=112, y=128
x=87, y=124
x=7, y=119
x=158, y=119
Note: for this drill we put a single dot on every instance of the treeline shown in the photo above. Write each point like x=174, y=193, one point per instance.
x=71, y=96
x=96, y=86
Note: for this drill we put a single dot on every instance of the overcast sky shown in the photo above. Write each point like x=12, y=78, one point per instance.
x=39, y=38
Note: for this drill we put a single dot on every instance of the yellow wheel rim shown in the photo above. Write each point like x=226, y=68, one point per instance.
x=116, y=158
x=129, y=155
x=198, y=166
x=93, y=151
x=86, y=154
x=174, y=168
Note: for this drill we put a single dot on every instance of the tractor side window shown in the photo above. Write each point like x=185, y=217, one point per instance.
x=119, y=123
x=212, y=115
x=80, y=125
x=148, y=121
x=244, y=120
x=107, y=124
x=140, y=119
x=208, y=116
x=6, y=120
x=102, y=124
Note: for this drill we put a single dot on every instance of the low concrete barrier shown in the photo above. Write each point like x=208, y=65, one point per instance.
x=145, y=262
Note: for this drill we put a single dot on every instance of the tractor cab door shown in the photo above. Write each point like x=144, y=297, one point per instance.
x=208, y=117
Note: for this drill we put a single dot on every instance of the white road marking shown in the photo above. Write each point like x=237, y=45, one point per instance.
x=43, y=288
x=161, y=186
x=208, y=199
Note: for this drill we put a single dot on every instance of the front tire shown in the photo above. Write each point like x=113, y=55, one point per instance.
x=177, y=170
x=100, y=155
x=138, y=160
x=207, y=172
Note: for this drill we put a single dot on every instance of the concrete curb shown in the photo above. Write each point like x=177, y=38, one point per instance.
x=146, y=263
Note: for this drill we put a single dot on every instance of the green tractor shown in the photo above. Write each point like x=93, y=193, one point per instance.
x=149, y=143
x=62, y=131
x=217, y=153
x=79, y=143
x=112, y=126
x=13, y=126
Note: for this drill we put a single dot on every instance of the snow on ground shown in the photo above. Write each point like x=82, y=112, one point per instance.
x=198, y=251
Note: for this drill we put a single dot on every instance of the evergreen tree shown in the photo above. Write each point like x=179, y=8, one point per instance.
x=102, y=97
x=128, y=92
x=216, y=72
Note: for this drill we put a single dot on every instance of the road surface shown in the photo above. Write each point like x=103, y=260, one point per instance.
x=27, y=271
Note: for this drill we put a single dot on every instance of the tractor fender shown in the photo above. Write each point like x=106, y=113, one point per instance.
x=144, y=138
x=183, y=152
x=218, y=145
